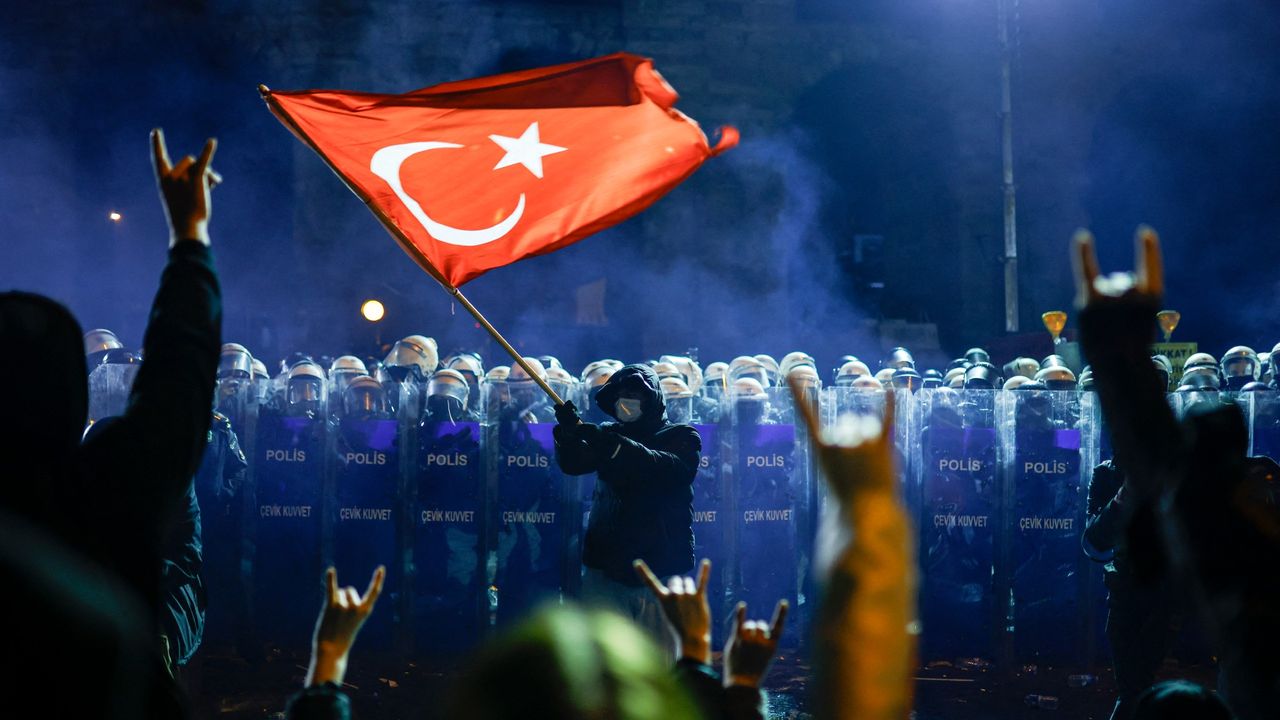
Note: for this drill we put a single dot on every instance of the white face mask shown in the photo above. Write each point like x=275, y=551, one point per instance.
x=627, y=410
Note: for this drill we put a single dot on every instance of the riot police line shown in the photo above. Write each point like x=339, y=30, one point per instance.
x=459, y=495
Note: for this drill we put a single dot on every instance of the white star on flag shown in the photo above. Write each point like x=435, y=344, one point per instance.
x=527, y=150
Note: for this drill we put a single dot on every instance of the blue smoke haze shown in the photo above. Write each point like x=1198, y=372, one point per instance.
x=1126, y=112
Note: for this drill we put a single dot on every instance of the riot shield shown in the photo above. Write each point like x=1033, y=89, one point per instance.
x=531, y=518
x=766, y=496
x=109, y=387
x=709, y=520
x=1264, y=421
x=288, y=466
x=1041, y=528
x=366, y=497
x=960, y=496
x=448, y=550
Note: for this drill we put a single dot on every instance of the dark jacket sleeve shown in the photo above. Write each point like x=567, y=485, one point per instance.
x=320, y=702
x=138, y=471
x=1116, y=338
x=1108, y=514
x=573, y=455
x=675, y=463
x=703, y=683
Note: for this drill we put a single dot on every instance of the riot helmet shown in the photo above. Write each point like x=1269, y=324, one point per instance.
x=977, y=355
x=931, y=379
x=715, y=380
x=1256, y=386
x=954, y=378
x=1056, y=377
x=751, y=402
x=958, y=363
x=907, y=379
x=550, y=361
x=885, y=377
x=1052, y=361
x=678, y=398
x=562, y=382
x=305, y=392
x=261, y=381
x=806, y=375
x=899, y=358
x=1240, y=366
x=981, y=376
x=343, y=370
x=667, y=370
x=770, y=368
x=292, y=359
x=1264, y=367
x=413, y=356
x=235, y=371
x=866, y=383
x=472, y=369
x=447, y=395
x=851, y=371
x=1024, y=366
x=96, y=345
x=363, y=399
x=1164, y=369
x=745, y=366
x=793, y=359
x=525, y=392
x=1202, y=377
x=1016, y=381
x=688, y=368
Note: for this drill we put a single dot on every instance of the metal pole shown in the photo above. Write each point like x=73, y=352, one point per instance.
x=1010, y=208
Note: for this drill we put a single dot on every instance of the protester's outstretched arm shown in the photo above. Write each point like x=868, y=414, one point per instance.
x=864, y=637
x=341, y=617
x=167, y=420
x=1117, y=327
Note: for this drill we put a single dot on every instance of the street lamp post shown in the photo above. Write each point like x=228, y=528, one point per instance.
x=1010, y=206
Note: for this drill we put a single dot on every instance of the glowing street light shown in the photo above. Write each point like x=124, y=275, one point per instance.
x=372, y=310
x=114, y=216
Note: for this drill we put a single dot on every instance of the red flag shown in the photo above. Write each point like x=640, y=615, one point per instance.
x=473, y=175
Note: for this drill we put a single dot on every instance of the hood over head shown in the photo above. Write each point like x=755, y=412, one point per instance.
x=641, y=379
x=47, y=430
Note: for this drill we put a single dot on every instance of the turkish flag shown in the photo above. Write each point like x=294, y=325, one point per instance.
x=473, y=175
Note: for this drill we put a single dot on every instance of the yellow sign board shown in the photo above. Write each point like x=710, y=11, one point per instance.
x=1177, y=354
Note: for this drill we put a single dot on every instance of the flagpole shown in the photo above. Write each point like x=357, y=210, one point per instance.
x=457, y=293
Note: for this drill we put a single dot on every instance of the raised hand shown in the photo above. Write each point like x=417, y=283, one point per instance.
x=567, y=414
x=857, y=454
x=184, y=188
x=748, y=652
x=685, y=606
x=341, y=618
x=1146, y=284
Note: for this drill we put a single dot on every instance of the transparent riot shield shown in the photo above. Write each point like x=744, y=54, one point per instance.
x=109, y=387
x=1264, y=422
x=366, y=491
x=448, y=549
x=766, y=497
x=223, y=487
x=1095, y=448
x=532, y=515
x=960, y=496
x=289, y=469
x=1043, y=519
x=710, y=538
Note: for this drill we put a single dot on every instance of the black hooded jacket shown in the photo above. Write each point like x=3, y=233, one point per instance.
x=112, y=498
x=643, y=504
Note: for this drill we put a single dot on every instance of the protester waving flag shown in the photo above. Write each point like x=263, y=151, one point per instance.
x=473, y=175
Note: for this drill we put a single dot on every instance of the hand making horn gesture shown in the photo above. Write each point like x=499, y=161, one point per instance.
x=184, y=188
x=1145, y=284
x=858, y=453
x=685, y=606
x=340, y=620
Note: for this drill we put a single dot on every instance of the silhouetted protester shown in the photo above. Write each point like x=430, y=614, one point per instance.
x=111, y=499
x=643, y=502
x=1179, y=700
x=81, y=648
x=748, y=652
x=1140, y=598
x=1195, y=475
